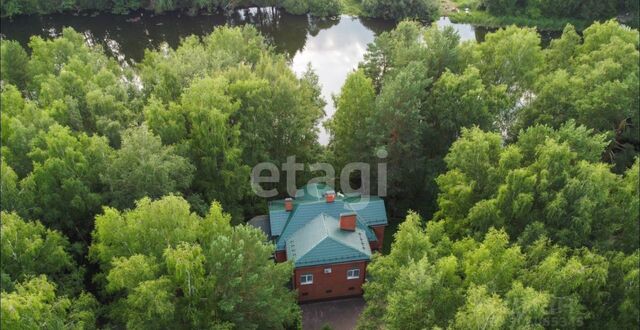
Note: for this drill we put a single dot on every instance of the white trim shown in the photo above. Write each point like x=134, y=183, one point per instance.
x=327, y=270
x=306, y=279
x=353, y=274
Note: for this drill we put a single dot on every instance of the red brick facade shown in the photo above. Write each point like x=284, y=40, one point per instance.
x=377, y=245
x=334, y=284
x=281, y=256
x=330, y=285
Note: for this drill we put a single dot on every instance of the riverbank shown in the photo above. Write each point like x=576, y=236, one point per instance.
x=484, y=19
x=317, y=8
x=352, y=7
x=467, y=12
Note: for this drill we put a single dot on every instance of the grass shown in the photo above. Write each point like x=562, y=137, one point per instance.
x=462, y=4
x=484, y=19
x=352, y=7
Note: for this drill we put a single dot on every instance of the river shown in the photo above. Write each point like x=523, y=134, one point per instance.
x=333, y=47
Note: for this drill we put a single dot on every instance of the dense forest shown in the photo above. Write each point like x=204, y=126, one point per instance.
x=531, y=157
x=125, y=188
x=390, y=9
x=314, y=7
x=584, y=9
x=84, y=138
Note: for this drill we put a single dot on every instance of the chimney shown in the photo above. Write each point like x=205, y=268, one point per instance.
x=348, y=221
x=330, y=196
x=288, y=204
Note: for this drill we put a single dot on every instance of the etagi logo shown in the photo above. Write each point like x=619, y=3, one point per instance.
x=291, y=167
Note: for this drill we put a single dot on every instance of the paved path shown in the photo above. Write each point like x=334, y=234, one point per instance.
x=338, y=314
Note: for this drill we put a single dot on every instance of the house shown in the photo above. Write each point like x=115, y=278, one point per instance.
x=329, y=237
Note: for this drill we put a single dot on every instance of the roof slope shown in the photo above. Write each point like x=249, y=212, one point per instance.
x=309, y=203
x=302, y=214
x=321, y=241
x=261, y=222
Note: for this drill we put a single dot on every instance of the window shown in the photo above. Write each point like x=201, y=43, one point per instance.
x=327, y=270
x=306, y=279
x=353, y=274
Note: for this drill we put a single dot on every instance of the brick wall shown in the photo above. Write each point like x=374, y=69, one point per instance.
x=331, y=285
x=281, y=256
x=379, y=231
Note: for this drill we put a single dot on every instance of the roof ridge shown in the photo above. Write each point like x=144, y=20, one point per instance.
x=324, y=223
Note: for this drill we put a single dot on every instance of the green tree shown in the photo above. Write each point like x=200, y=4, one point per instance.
x=22, y=120
x=168, y=267
x=427, y=10
x=143, y=167
x=532, y=187
x=80, y=87
x=64, y=189
x=397, y=128
x=501, y=7
x=324, y=8
x=429, y=280
x=348, y=127
x=472, y=102
x=166, y=73
x=392, y=50
x=13, y=65
x=296, y=7
x=186, y=106
x=511, y=56
x=482, y=311
x=42, y=286
x=561, y=50
x=594, y=82
x=34, y=304
x=29, y=250
x=9, y=187
x=214, y=145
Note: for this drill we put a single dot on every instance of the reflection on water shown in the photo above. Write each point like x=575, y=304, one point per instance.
x=333, y=53
x=478, y=33
x=466, y=31
x=141, y=30
x=333, y=47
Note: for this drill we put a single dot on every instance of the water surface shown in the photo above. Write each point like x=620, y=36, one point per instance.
x=332, y=47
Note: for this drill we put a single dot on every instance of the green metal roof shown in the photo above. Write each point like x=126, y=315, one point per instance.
x=312, y=192
x=305, y=212
x=309, y=203
x=321, y=241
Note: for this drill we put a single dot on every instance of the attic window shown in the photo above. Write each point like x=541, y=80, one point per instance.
x=327, y=270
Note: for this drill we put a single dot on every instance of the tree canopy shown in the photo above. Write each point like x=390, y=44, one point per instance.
x=41, y=284
x=320, y=8
x=522, y=161
x=531, y=155
x=167, y=267
x=429, y=280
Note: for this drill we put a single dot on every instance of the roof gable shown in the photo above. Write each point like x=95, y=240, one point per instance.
x=322, y=241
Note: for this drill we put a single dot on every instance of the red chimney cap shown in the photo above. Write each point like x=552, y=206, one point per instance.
x=330, y=196
x=288, y=204
x=348, y=221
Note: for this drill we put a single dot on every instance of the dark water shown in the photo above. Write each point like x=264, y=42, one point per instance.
x=333, y=47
